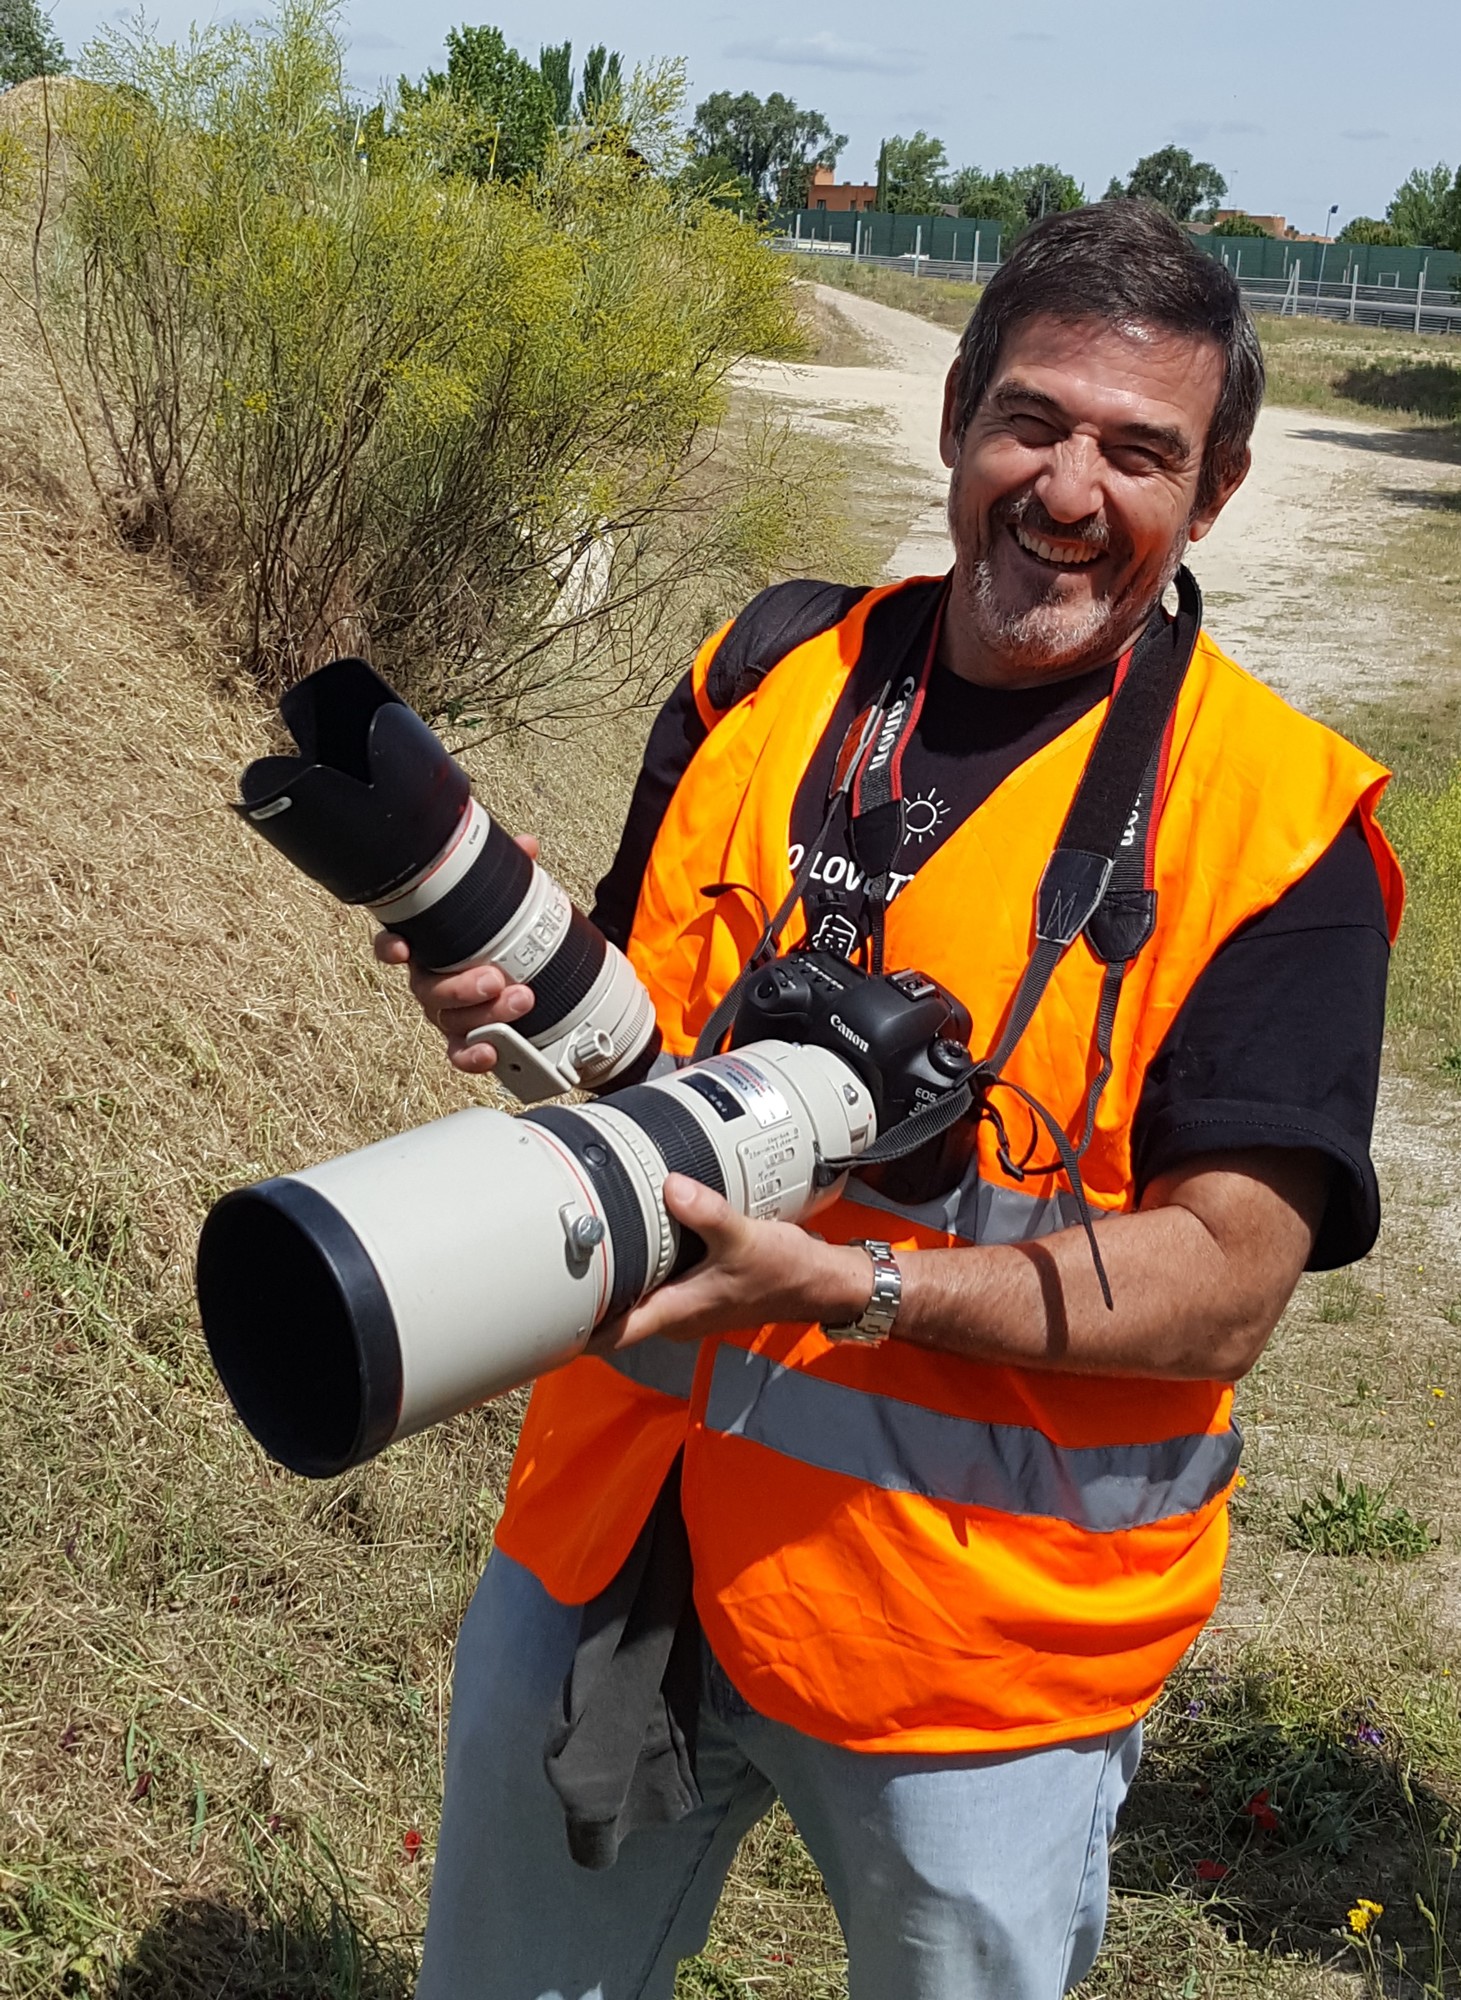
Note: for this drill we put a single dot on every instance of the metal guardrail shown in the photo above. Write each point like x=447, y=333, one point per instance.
x=1418, y=309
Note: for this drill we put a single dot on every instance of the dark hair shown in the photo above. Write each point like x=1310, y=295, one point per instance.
x=1126, y=263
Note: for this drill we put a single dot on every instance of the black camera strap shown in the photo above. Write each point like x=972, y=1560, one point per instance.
x=867, y=784
x=1097, y=883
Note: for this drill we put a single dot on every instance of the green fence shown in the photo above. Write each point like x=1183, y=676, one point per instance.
x=945, y=237
x=940, y=236
x=1341, y=263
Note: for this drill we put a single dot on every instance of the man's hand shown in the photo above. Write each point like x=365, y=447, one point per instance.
x=457, y=1002
x=752, y=1272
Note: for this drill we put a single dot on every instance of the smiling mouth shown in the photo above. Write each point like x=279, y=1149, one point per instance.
x=1056, y=555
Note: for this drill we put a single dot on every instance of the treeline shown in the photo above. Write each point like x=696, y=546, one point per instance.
x=1425, y=210
x=438, y=379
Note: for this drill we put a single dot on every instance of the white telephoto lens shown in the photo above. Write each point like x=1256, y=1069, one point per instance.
x=359, y=1301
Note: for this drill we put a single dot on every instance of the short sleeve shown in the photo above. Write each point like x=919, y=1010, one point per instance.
x=1279, y=1044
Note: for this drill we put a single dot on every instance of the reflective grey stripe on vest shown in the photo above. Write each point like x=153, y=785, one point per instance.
x=666, y=1365
x=1006, y=1467
x=980, y=1211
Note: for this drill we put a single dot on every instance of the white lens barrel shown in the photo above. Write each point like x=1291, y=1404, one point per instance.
x=354, y=1303
x=482, y=902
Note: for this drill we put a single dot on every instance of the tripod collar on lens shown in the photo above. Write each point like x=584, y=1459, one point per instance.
x=372, y=799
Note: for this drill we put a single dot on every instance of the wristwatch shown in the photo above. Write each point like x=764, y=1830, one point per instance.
x=876, y=1320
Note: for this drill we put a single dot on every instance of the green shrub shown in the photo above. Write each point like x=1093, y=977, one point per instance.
x=1354, y=1520
x=373, y=404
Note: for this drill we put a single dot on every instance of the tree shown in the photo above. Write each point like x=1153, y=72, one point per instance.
x=1014, y=198
x=28, y=45
x=512, y=100
x=603, y=82
x=1426, y=208
x=1240, y=224
x=913, y=173
x=555, y=66
x=774, y=145
x=1174, y=180
x=1367, y=229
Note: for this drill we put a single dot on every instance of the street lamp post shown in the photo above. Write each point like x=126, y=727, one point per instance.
x=1324, y=246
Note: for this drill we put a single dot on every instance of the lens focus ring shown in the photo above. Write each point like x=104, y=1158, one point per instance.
x=593, y=1149
x=470, y=915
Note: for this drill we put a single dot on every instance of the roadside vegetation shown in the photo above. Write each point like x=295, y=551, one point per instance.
x=530, y=330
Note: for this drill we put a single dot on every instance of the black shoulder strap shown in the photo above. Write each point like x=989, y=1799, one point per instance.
x=1108, y=804
x=784, y=616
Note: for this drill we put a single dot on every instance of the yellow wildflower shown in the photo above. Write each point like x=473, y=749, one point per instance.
x=1241, y=1480
x=1363, y=1915
x=1438, y=1392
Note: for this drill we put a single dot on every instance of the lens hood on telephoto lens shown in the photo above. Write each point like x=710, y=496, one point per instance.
x=376, y=810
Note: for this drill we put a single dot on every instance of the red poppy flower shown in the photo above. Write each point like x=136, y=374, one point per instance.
x=411, y=1843
x=1261, y=1812
x=1211, y=1871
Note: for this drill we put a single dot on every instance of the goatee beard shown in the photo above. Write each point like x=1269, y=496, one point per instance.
x=1037, y=637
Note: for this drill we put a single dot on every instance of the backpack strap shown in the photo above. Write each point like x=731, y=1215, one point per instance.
x=782, y=617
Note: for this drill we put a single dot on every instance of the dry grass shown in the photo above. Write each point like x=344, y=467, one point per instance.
x=942, y=300
x=1376, y=373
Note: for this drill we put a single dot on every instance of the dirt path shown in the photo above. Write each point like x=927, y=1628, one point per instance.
x=1322, y=491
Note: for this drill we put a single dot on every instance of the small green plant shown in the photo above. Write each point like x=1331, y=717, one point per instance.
x=1341, y=1299
x=1354, y=1520
x=1451, y=1312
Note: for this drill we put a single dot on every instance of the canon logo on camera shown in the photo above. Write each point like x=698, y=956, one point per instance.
x=842, y=1028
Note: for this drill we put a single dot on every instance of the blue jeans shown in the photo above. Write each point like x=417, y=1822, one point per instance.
x=954, y=1878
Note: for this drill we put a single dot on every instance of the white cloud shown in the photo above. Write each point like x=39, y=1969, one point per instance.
x=369, y=41
x=828, y=51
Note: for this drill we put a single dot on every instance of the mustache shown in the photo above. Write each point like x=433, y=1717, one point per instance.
x=1025, y=511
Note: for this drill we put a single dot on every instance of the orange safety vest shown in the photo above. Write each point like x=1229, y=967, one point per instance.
x=898, y=1549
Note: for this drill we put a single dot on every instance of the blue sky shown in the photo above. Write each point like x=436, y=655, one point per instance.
x=1299, y=104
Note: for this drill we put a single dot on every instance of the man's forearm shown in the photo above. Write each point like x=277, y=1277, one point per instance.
x=1198, y=1280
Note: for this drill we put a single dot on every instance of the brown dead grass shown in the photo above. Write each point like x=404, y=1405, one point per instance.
x=213, y=1677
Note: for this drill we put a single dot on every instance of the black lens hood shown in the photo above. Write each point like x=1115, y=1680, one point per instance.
x=373, y=797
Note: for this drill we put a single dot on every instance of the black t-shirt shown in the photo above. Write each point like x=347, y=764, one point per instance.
x=1278, y=1043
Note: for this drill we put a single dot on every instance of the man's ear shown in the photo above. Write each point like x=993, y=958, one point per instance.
x=948, y=441
x=1201, y=522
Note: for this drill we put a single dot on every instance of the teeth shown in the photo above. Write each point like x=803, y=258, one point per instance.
x=1066, y=552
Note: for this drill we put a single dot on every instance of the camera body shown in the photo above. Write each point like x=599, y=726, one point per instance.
x=906, y=1036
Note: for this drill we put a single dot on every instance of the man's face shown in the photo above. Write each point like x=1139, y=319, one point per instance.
x=1074, y=493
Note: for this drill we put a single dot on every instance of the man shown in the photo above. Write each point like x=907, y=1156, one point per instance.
x=953, y=1518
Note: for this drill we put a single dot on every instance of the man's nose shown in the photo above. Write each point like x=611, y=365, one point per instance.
x=1069, y=488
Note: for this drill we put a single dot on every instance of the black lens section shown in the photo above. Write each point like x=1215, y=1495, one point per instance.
x=683, y=1143
x=593, y=1148
x=564, y=982
x=469, y=916
x=299, y=1327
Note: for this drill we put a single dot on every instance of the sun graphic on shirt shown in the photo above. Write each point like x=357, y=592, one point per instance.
x=924, y=814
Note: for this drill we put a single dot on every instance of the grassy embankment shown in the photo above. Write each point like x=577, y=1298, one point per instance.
x=222, y=1693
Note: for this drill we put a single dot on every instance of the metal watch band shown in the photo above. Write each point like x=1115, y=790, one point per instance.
x=875, y=1322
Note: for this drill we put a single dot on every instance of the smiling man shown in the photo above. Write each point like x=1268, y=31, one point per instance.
x=951, y=1514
